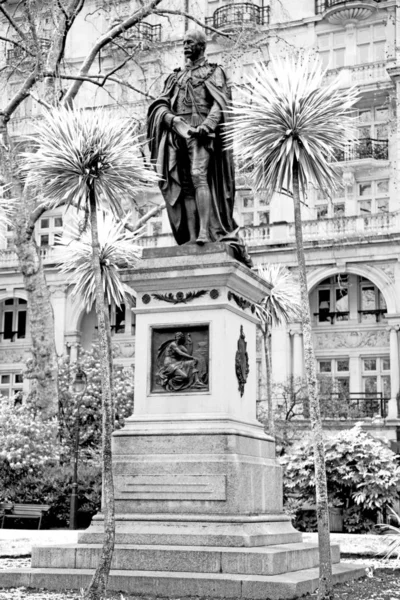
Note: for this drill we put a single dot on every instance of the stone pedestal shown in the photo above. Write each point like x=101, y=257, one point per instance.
x=198, y=489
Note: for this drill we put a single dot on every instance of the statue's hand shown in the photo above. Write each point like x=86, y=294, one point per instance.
x=200, y=131
x=181, y=127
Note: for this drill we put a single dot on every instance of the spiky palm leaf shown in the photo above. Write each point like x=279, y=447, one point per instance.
x=286, y=116
x=283, y=302
x=8, y=207
x=74, y=148
x=118, y=249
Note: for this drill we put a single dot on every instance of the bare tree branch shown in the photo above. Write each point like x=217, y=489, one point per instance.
x=12, y=22
x=143, y=220
x=181, y=13
x=39, y=100
x=20, y=96
x=105, y=39
x=92, y=79
x=15, y=43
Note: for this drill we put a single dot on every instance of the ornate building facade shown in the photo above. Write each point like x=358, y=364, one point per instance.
x=351, y=239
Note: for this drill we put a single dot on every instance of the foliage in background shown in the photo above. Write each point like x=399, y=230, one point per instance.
x=52, y=486
x=363, y=476
x=90, y=404
x=27, y=442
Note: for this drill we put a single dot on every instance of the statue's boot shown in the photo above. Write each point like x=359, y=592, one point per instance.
x=202, y=238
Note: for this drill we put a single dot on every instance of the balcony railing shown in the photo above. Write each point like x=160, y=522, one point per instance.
x=365, y=148
x=142, y=34
x=322, y=5
x=18, y=54
x=359, y=405
x=239, y=15
x=368, y=73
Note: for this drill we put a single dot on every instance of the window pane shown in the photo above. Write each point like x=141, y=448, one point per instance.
x=369, y=364
x=58, y=222
x=343, y=364
x=365, y=116
x=382, y=301
x=120, y=319
x=363, y=34
x=386, y=363
x=379, y=52
x=44, y=240
x=363, y=53
x=382, y=187
x=382, y=205
x=323, y=41
x=322, y=212
x=248, y=202
x=325, y=366
x=379, y=31
x=5, y=379
x=263, y=218
x=8, y=326
x=9, y=301
x=365, y=207
x=382, y=113
x=338, y=39
x=22, y=301
x=325, y=59
x=324, y=305
x=364, y=132
x=365, y=189
x=342, y=304
x=44, y=223
x=338, y=210
x=156, y=228
x=19, y=378
x=382, y=132
x=338, y=58
x=370, y=385
x=248, y=218
x=386, y=387
x=21, y=330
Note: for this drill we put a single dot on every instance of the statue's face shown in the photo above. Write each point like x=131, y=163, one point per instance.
x=191, y=48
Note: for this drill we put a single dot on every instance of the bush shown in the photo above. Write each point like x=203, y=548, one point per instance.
x=53, y=486
x=89, y=405
x=362, y=476
x=27, y=442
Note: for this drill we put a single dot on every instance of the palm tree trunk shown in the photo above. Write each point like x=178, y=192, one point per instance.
x=325, y=569
x=268, y=373
x=98, y=585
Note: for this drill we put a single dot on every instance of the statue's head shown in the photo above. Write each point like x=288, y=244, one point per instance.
x=194, y=44
x=180, y=337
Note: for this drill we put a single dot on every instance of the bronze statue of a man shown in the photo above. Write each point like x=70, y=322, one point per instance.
x=185, y=126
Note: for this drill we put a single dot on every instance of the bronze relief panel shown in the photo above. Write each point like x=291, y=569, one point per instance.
x=180, y=359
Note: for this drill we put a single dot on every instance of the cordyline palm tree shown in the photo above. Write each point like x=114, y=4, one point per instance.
x=117, y=249
x=89, y=161
x=280, y=306
x=287, y=126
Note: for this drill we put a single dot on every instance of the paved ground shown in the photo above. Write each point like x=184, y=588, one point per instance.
x=19, y=542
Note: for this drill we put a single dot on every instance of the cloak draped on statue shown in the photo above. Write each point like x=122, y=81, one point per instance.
x=168, y=157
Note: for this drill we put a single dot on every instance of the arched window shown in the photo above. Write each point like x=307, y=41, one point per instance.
x=13, y=319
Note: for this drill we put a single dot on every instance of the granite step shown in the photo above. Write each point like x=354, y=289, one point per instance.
x=156, y=584
x=269, y=560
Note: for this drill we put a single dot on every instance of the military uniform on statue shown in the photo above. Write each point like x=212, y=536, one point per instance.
x=185, y=127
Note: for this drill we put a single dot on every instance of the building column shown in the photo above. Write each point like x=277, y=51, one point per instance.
x=394, y=371
x=297, y=353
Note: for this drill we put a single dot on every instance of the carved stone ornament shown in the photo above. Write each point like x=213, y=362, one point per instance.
x=352, y=339
x=242, y=361
x=179, y=297
x=241, y=302
x=389, y=271
x=180, y=359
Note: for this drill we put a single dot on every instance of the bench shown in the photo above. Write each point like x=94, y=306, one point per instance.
x=23, y=511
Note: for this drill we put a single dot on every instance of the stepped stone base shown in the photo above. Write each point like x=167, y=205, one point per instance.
x=184, y=585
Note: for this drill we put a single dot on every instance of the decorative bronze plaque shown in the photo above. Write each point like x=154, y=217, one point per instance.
x=180, y=359
x=242, y=361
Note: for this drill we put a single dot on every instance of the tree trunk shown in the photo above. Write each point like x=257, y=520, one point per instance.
x=98, y=585
x=268, y=376
x=42, y=368
x=325, y=570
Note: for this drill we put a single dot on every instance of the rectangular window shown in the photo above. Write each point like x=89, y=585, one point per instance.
x=21, y=327
x=8, y=326
x=120, y=319
x=58, y=222
x=343, y=364
x=44, y=240
x=325, y=366
x=324, y=305
x=44, y=223
x=369, y=364
x=342, y=304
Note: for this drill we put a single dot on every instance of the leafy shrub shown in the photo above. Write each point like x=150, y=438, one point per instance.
x=53, y=486
x=27, y=443
x=88, y=406
x=362, y=476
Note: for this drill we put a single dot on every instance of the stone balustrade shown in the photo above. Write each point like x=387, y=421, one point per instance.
x=359, y=74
